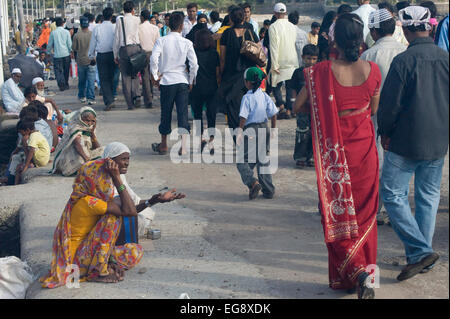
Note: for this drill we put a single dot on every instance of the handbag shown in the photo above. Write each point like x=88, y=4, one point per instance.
x=136, y=62
x=253, y=51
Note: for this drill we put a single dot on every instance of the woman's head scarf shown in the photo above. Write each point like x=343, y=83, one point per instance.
x=115, y=149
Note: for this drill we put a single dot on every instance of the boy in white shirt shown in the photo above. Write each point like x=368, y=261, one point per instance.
x=256, y=109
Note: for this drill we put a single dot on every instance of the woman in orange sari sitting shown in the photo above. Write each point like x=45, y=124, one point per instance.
x=342, y=96
x=89, y=226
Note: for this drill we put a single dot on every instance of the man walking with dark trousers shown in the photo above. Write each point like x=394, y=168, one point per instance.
x=125, y=48
x=61, y=44
x=102, y=44
x=148, y=34
x=170, y=74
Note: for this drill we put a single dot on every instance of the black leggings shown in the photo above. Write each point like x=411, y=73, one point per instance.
x=197, y=102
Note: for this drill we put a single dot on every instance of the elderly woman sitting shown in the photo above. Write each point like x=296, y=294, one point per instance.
x=87, y=232
x=39, y=85
x=79, y=143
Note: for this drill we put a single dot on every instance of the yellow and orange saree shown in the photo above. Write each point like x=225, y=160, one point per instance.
x=97, y=250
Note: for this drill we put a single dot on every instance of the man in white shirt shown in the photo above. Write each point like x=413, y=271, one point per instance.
x=363, y=12
x=101, y=49
x=125, y=48
x=382, y=24
x=168, y=68
x=191, y=19
x=148, y=34
x=12, y=96
x=215, y=20
x=283, y=54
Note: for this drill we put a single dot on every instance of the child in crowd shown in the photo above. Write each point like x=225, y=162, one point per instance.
x=313, y=35
x=42, y=113
x=256, y=108
x=262, y=34
x=303, y=151
x=36, y=148
x=206, y=83
x=31, y=95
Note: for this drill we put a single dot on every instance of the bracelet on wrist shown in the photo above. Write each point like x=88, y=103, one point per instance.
x=121, y=188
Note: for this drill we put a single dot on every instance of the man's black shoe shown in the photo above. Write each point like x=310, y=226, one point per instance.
x=413, y=269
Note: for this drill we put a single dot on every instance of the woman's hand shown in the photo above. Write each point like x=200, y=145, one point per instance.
x=93, y=129
x=112, y=168
x=170, y=196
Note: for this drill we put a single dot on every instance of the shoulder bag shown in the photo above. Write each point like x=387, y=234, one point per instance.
x=137, y=61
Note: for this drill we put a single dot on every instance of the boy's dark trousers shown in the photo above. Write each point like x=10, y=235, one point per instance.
x=246, y=168
x=303, y=150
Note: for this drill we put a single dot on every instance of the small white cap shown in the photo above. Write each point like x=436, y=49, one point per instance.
x=36, y=80
x=280, y=8
x=16, y=70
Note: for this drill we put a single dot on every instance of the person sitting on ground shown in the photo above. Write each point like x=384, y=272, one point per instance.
x=35, y=146
x=31, y=95
x=256, y=109
x=29, y=113
x=90, y=214
x=303, y=150
x=12, y=96
x=43, y=116
x=79, y=143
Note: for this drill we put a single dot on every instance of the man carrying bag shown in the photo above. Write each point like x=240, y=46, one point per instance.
x=126, y=53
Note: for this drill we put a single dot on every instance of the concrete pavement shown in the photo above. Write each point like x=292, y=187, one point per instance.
x=215, y=243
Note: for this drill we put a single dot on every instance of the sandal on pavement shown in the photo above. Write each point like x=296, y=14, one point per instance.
x=155, y=148
x=364, y=292
x=254, y=191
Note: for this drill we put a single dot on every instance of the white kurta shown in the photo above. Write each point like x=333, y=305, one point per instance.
x=283, y=53
x=12, y=96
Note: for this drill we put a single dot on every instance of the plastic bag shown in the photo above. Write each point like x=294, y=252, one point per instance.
x=73, y=69
x=15, y=277
x=144, y=220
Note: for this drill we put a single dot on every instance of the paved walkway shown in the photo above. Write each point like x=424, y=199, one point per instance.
x=215, y=243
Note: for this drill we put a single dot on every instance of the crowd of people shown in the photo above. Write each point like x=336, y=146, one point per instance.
x=368, y=88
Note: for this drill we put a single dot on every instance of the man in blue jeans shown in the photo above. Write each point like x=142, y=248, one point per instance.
x=413, y=123
x=86, y=66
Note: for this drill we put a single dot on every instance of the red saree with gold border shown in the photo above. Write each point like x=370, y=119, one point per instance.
x=346, y=162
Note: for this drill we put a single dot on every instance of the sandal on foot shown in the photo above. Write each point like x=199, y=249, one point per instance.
x=155, y=148
x=300, y=164
x=364, y=291
x=254, y=191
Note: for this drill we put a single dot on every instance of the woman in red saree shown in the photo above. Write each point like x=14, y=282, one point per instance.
x=341, y=96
